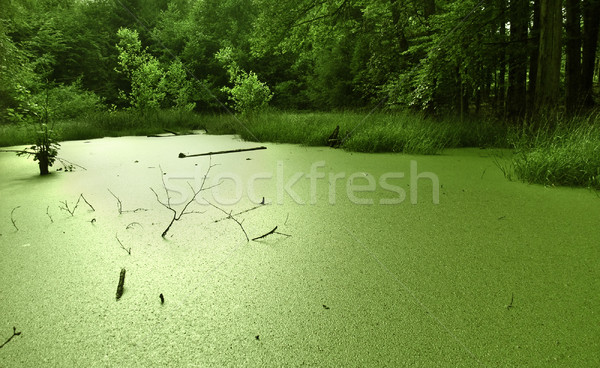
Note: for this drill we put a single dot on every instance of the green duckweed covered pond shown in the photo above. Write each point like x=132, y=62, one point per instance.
x=497, y=273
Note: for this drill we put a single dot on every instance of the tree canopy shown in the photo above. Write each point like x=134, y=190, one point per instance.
x=509, y=58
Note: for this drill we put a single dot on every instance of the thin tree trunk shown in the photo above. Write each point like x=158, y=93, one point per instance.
x=534, y=52
x=501, y=85
x=548, y=73
x=573, y=51
x=591, y=25
x=517, y=70
x=428, y=8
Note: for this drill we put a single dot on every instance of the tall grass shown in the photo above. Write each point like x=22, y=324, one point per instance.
x=567, y=153
x=100, y=124
x=381, y=132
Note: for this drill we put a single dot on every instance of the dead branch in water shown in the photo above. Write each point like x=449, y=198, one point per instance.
x=120, y=205
x=274, y=231
x=15, y=333
x=121, y=283
x=48, y=214
x=167, y=205
x=239, y=213
x=65, y=206
x=121, y=244
x=12, y=219
x=230, y=217
x=183, y=155
x=66, y=164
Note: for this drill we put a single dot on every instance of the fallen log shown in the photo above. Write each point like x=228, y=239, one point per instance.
x=121, y=282
x=183, y=155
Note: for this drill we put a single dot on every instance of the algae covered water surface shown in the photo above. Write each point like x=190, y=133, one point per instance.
x=377, y=260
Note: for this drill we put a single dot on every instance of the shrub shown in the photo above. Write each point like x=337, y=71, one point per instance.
x=248, y=94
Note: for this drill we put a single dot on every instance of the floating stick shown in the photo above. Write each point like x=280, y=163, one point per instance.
x=183, y=155
x=121, y=282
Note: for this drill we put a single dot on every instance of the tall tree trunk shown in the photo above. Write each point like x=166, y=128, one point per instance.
x=399, y=28
x=428, y=8
x=501, y=85
x=548, y=73
x=534, y=52
x=573, y=51
x=517, y=54
x=591, y=25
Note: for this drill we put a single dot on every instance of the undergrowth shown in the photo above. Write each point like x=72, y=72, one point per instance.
x=566, y=153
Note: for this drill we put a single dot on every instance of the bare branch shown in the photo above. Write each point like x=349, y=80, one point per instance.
x=68, y=163
x=15, y=333
x=176, y=216
x=274, y=231
x=65, y=206
x=48, y=214
x=121, y=244
x=239, y=213
x=132, y=225
x=120, y=204
x=230, y=216
x=12, y=219
x=88, y=203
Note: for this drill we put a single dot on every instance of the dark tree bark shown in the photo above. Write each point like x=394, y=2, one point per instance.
x=428, y=8
x=399, y=28
x=573, y=51
x=501, y=84
x=534, y=51
x=591, y=25
x=548, y=73
x=517, y=58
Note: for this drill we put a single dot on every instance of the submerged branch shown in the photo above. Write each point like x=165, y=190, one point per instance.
x=12, y=219
x=230, y=216
x=15, y=333
x=274, y=231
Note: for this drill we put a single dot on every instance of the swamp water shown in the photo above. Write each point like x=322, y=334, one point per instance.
x=479, y=271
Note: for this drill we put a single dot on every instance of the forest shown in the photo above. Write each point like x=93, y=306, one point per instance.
x=455, y=66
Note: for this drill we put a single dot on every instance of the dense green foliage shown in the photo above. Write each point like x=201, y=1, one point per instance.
x=467, y=69
x=442, y=57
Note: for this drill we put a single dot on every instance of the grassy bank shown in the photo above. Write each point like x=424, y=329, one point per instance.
x=381, y=132
x=567, y=153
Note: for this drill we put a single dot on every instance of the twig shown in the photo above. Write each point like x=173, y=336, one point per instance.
x=274, y=231
x=512, y=298
x=121, y=244
x=239, y=213
x=230, y=216
x=286, y=218
x=12, y=219
x=69, y=163
x=131, y=225
x=72, y=211
x=48, y=214
x=23, y=152
x=120, y=205
x=15, y=333
x=167, y=205
x=86, y=202
x=265, y=235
